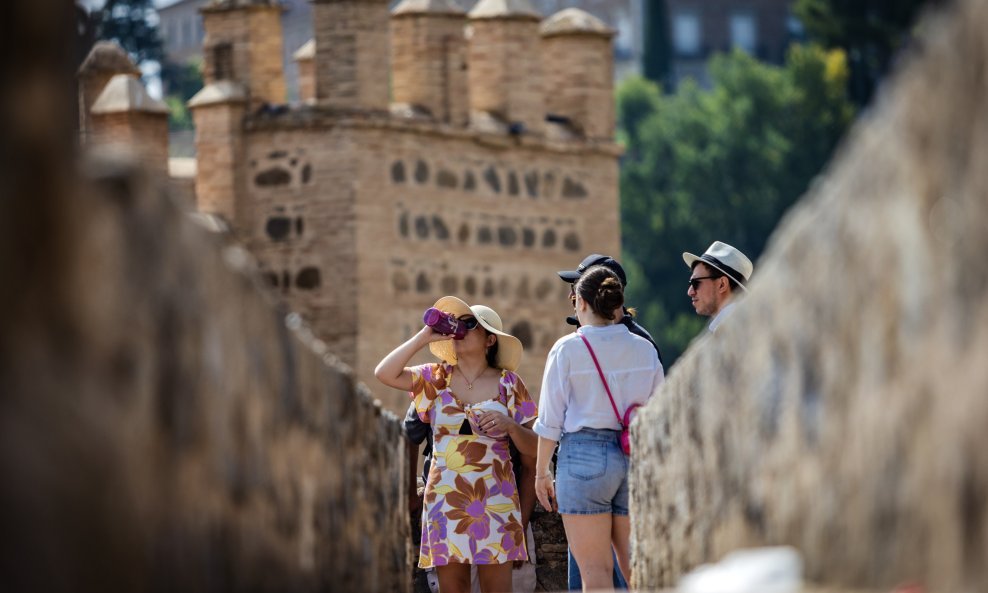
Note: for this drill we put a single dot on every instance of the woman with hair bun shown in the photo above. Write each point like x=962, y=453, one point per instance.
x=593, y=378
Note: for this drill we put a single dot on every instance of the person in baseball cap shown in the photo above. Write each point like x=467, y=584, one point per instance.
x=717, y=276
x=575, y=579
x=596, y=259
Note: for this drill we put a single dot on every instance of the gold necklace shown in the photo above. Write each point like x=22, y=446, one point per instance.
x=469, y=382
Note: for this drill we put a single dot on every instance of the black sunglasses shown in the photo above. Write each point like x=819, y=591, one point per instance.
x=470, y=322
x=695, y=282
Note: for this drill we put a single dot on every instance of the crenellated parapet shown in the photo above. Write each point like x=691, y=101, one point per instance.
x=578, y=60
x=243, y=44
x=429, y=59
x=352, y=53
x=419, y=160
x=105, y=60
x=505, y=67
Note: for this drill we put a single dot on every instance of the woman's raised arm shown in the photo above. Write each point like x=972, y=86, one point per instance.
x=392, y=370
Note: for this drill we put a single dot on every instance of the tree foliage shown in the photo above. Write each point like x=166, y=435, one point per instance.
x=182, y=80
x=719, y=164
x=870, y=33
x=132, y=24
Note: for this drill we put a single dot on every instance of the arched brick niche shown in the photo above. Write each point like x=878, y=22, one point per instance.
x=281, y=169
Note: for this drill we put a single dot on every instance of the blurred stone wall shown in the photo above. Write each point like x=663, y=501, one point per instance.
x=843, y=409
x=163, y=426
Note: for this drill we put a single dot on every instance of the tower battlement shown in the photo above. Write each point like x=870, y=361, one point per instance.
x=420, y=162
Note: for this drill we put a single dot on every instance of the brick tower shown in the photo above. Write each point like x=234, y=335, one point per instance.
x=429, y=57
x=352, y=51
x=362, y=211
x=125, y=116
x=579, y=65
x=506, y=65
x=243, y=43
x=105, y=60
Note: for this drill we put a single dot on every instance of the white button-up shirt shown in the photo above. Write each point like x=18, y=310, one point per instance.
x=721, y=316
x=573, y=396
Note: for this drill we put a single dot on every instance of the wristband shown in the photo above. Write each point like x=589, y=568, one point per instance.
x=543, y=477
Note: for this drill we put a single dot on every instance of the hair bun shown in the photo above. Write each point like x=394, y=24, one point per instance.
x=602, y=290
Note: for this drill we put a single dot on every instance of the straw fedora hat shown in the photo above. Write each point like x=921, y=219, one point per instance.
x=509, y=348
x=727, y=259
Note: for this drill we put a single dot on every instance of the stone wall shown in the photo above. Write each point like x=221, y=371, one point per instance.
x=165, y=427
x=843, y=408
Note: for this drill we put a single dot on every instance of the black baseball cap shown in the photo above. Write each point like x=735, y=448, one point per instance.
x=590, y=261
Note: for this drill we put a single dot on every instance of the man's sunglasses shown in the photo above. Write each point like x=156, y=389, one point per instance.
x=470, y=322
x=695, y=282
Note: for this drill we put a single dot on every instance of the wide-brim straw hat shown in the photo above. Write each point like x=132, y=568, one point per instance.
x=509, y=348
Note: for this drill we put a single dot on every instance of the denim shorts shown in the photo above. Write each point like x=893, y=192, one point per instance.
x=592, y=473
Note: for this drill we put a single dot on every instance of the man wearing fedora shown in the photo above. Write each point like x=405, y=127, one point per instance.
x=717, y=276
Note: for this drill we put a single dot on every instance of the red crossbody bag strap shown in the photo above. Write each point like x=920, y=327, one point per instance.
x=601, y=373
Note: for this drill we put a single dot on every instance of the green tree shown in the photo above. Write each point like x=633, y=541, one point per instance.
x=871, y=33
x=719, y=164
x=129, y=23
x=180, y=82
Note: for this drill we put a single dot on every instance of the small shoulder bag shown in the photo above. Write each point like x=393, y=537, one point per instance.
x=625, y=437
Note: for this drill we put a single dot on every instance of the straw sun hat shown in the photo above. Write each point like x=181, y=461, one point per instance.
x=508, y=347
x=727, y=259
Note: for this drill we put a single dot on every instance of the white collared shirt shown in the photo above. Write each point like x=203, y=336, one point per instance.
x=719, y=318
x=573, y=396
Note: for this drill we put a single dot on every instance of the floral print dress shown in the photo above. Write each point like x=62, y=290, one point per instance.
x=472, y=512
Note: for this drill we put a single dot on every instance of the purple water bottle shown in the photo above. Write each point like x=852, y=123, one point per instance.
x=444, y=323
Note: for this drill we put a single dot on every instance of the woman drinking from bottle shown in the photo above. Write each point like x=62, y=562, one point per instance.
x=592, y=378
x=475, y=404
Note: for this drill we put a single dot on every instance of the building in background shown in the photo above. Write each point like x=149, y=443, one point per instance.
x=420, y=161
x=182, y=30
x=701, y=28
